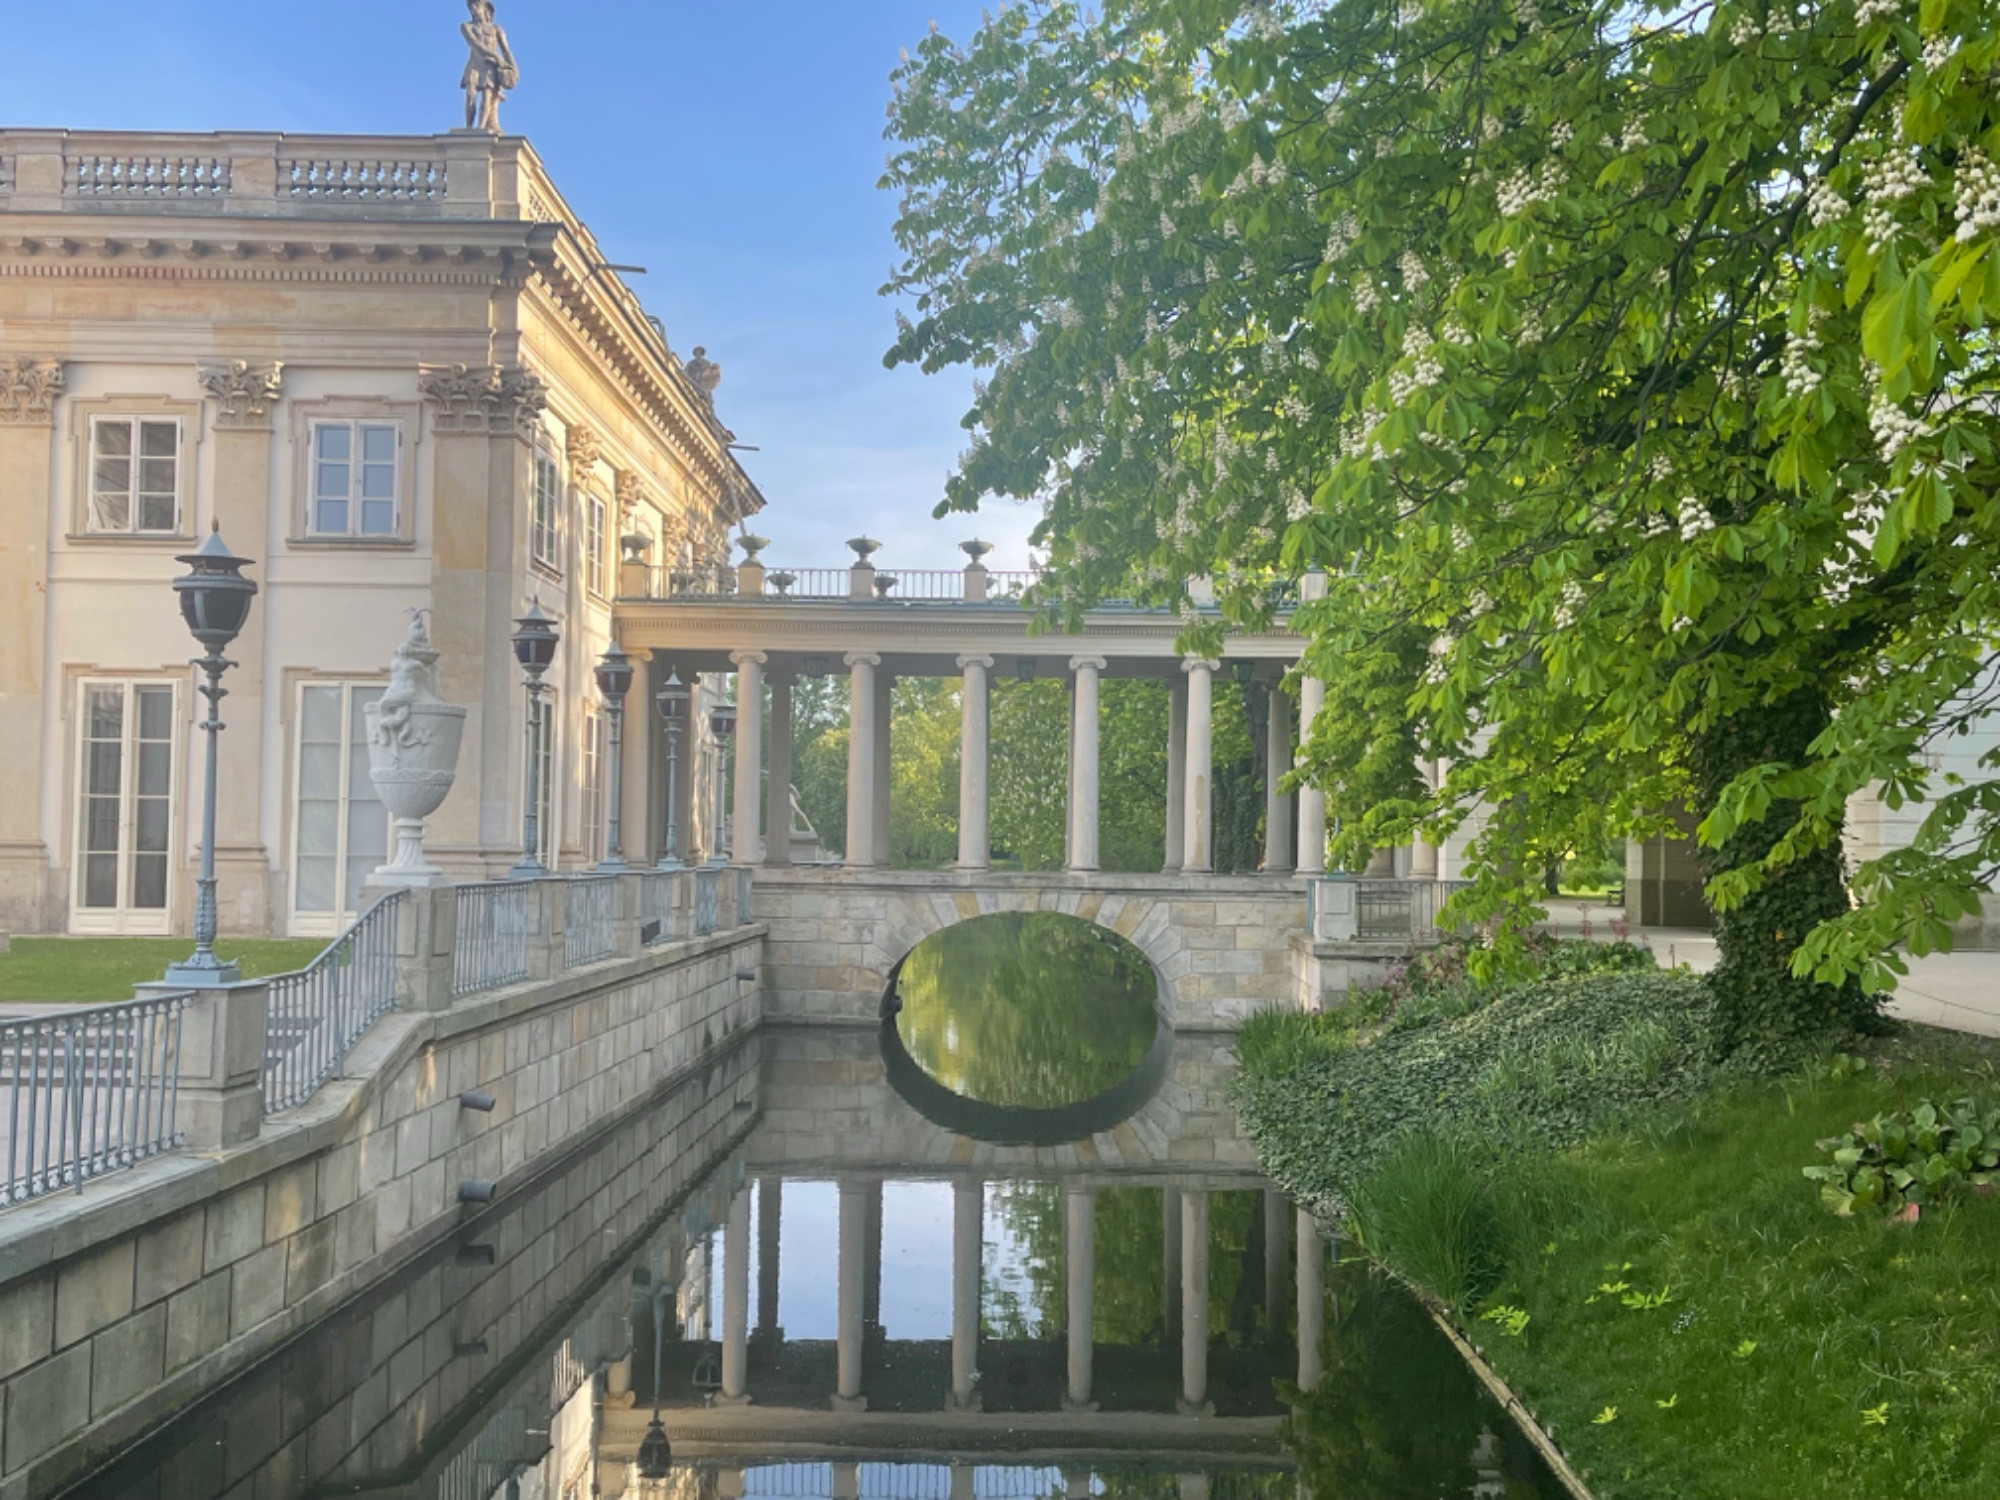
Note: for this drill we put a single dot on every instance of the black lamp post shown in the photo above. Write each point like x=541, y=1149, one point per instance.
x=672, y=702
x=722, y=724
x=614, y=681
x=656, y=1454
x=215, y=601
x=535, y=641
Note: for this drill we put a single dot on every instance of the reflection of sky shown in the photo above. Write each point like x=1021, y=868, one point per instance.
x=916, y=1260
x=908, y=1481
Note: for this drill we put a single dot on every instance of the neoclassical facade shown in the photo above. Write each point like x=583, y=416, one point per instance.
x=397, y=373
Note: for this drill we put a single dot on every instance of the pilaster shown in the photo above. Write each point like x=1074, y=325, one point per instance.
x=29, y=390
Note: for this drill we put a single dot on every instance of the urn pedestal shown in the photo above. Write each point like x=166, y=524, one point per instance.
x=413, y=762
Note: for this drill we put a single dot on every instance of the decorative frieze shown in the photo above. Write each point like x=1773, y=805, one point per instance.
x=244, y=393
x=583, y=446
x=28, y=391
x=494, y=400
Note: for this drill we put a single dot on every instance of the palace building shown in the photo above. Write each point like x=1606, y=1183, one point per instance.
x=398, y=374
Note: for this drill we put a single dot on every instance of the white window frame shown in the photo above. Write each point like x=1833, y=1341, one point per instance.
x=356, y=466
x=596, y=531
x=545, y=507
x=547, y=846
x=325, y=923
x=593, y=809
x=135, y=423
x=124, y=920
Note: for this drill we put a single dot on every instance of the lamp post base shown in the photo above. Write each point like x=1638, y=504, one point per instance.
x=202, y=976
x=528, y=869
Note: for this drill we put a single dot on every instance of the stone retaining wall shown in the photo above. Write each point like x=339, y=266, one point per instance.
x=1221, y=943
x=121, y=1304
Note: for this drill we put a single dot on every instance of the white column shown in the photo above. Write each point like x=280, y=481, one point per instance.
x=1079, y=1274
x=1177, y=701
x=749, y=847
x=778, y=780
x=736, y=1300
x=1170, y=1239
x=1083, y=730
x=1277, y=1246
x=851, y=1252
x=1198, y=822
x=967, y=1224
x=1312, y=801
x=861, y=759
x=1194, y=1305
x=1312, y=1301
x=1277, y=801
x=975, y=839
x=885, y=700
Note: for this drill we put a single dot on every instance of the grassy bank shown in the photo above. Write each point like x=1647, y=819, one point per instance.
x=1630, y=1235
x=81, y=970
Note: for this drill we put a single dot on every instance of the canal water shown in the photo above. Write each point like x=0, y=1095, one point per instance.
x=1011, y=1245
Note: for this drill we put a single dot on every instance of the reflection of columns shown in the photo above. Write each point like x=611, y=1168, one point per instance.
x=961, y=1482
x=853, y=1231
x=770, y=1214
x=1277, y=801
x=1312, y=1301
x=746, y=848
x=975, y=841
x=885, y=702
x=1076, y=1482
x=729, y=1483
x=846, y=1481
x=1079, y=1273
x=1194, y=1306
x=1170, y=1239
x=1194, y=1486
x=861, y=691
x=778, y=778
x=1197, y=823
x=736, y=1299
x=1177, y=701
x=871, y=1272
x=1083, y=763
x=1277, y=1245
x=1312, y=801
x=967, y=1224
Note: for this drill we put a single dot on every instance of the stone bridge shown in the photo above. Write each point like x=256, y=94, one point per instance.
x=1223, y=945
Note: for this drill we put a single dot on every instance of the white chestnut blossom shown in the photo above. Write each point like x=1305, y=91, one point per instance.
x=1412, y=267
x=1824, y=206
x=1894, y=428
x=1569, y=604
x=1938, y=51
x=1693, y=518
x=1889, y=179
x=1978, y=190
x=1866, y=12
x=1796, y=367
x=1366, y=298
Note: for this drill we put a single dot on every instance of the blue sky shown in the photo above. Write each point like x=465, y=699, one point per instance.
x=730, y=146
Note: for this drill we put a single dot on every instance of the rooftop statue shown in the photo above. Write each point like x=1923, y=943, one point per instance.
x=489, y=72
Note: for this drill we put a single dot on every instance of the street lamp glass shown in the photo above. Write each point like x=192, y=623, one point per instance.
x=722, y=720
x=535, y=640
x=215, y=596
x=614, y=673
x=672, y=699
x=656, y=1454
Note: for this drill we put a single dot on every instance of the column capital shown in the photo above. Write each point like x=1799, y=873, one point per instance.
x=749, y=658
x=28, y=391
x=1200, y=664
x=1094, y=663
x=244, y=391
x=863, y=658
x=977, y=659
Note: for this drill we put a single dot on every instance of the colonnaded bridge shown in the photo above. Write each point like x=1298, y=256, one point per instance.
x=1224, y=944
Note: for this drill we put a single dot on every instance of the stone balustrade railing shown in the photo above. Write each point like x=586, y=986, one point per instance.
x=1347, y=909
x=456, y=176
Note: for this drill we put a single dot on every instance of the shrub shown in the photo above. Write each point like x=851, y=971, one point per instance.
x=1427, y=1212
x=1540, y=1067
x=1907, y=1158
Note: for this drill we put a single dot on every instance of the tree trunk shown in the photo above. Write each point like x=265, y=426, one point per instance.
x=1762, y=1011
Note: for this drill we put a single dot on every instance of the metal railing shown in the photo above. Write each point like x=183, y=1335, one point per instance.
x=707, y=901
x=492, y=945
x=87, y=1092
x=657, y=906
x=1345, y=908
x=588, y=901
x=806, y=583
x=915, y=585
x=313, y=1017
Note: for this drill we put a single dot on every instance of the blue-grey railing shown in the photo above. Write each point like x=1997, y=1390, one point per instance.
x=492, y=945
x=1347, y=908
x=87, y=1092
x=313, y=1017
x=588, y=902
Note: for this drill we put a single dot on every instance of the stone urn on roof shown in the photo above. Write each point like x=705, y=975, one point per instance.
x=413, y=742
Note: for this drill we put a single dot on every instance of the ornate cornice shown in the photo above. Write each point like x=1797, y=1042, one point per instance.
x=28, y=391
x=244, y=392
x=583, y=446
x=489, y=400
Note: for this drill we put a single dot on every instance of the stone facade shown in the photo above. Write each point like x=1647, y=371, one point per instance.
x=1222, y=945
x=397, y=374
x=122, y=1304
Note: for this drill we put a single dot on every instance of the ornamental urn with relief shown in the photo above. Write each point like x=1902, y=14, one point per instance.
x=413, y=740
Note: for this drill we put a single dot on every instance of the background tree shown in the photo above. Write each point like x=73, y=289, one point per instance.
x=1636, y=361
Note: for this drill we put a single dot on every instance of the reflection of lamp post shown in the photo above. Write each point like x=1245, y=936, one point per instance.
x=672, y=701
x=535, y=641
x=614, y=681
x=215, y=601
x=722, y=724
x=656, y=1454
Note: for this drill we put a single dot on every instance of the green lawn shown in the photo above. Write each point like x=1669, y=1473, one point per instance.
x=1796, y=1355
x=68, y=970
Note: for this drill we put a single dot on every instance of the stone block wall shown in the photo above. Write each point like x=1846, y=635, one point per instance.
x=121, y=1304
x=1221, y=944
